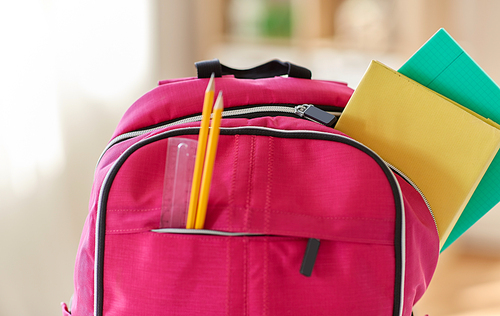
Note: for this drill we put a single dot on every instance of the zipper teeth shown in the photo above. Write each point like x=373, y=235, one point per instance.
x=404, y=176
x=225, y=113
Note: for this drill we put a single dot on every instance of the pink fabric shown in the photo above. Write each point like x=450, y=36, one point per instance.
x=64, y=308
x=169, y=274
x=287, y=189
x=163, y=103
x=304, y=200
x=422, y=246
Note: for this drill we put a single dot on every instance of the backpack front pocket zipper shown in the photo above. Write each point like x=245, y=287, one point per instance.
x=307, y=262
x=202, y=232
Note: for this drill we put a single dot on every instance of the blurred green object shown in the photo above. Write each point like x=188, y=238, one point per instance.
x=277, y=20
x=443, y=66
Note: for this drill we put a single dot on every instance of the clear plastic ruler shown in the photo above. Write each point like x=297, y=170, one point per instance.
x=179, y=167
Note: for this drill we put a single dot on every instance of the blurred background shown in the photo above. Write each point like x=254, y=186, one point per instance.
x=69, y=69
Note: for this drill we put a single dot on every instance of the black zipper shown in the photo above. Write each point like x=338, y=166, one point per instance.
x=257, y=131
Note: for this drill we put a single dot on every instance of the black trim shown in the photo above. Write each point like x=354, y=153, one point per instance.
x=258, y=131
x=229, y=109
x=269, y=69
x=327, y=108
x=103, y=201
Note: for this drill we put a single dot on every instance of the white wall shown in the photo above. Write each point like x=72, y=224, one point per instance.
x=68, y=71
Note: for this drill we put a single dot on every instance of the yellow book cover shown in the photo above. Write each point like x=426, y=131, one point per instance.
x=441, y=147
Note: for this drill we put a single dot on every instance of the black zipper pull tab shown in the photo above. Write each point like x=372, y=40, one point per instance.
x=309, y=257
x=311, y=112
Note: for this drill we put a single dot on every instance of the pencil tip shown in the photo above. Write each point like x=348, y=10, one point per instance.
x=211, y=83
x=219, y=103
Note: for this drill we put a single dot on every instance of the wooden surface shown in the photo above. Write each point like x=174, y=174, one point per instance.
x=465, y=284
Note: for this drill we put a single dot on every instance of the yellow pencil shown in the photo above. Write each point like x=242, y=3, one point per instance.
x=208, y=169
x=200, y=152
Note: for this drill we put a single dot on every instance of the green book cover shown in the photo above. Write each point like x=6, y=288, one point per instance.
x=443, y=66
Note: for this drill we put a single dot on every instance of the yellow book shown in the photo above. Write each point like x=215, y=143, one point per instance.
x=442, y=147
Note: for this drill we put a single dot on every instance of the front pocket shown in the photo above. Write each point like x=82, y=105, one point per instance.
x=191, y=274
x=166, y=274
x=348, y=279
x=293, y=184
x=182, y=274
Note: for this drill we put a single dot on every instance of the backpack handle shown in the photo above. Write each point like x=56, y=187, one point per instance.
x=270, y=69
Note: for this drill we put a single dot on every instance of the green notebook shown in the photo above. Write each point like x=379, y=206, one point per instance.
x=443, y=66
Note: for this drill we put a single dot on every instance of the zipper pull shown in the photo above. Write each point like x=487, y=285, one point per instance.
x=310, y=257
x=313, y=113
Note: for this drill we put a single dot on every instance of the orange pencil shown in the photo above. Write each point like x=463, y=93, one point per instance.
x=208, y=168
x=200, y=152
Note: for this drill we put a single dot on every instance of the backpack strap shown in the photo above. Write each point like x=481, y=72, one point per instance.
x=268, y=70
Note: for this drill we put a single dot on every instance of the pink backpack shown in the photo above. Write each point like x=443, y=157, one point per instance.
x=301, y=219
